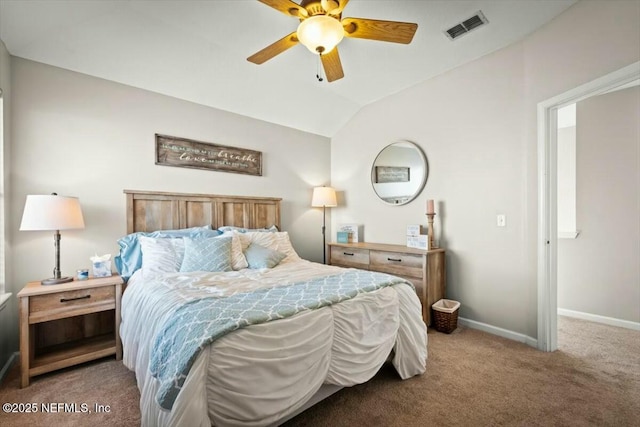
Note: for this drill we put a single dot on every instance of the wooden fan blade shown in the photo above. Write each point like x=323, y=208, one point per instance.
x=372, y=29
x=274, y=49
x=332, y=65
x=287, y=7
x=334, y=7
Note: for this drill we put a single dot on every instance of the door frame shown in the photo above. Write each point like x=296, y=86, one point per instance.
x=548, y=200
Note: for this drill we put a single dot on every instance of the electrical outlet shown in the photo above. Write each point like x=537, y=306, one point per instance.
x=501, y=220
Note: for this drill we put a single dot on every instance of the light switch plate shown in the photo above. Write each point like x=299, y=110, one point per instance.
x=501, y=220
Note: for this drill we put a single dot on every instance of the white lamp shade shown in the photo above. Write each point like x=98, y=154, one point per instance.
x=320, y=33
x=51, y=212
x=324, y=196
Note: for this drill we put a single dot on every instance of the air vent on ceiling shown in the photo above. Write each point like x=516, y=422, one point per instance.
x=467, y=25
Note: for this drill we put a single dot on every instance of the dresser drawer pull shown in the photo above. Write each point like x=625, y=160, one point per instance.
x=347, y=253
x=394, y=259
x=73, y=299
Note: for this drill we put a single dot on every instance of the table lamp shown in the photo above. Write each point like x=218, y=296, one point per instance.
x=324, y=197
x=52, y=213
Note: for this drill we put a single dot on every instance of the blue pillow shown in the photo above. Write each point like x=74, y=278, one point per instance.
x=213, y=254
x=259, y=256
x=130, y=258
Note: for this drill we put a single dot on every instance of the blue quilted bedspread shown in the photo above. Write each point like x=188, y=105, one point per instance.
x=198, y=323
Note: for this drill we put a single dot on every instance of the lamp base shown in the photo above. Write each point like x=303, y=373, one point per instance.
x=53, y=281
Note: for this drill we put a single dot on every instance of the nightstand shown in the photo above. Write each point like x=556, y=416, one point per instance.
x=67, y=324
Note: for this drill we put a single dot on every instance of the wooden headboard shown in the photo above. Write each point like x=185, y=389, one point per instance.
x=153, y=210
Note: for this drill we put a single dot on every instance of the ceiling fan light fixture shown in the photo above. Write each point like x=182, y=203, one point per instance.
x=320, y=33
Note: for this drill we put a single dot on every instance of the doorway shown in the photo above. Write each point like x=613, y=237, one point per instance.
x=548, y=199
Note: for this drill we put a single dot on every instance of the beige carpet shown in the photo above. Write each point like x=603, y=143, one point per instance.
x=472, y=379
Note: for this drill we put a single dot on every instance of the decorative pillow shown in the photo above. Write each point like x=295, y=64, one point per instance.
x=238, y=261
x=284, y=245
x=226, y=228
x=260, y=257
x=278, y=241
x=265, y=239
x=130, y=257
x=163, y=255
x=212, y=254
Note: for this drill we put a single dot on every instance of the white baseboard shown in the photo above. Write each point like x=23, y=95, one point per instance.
x=504, y=333
x=8, y=365
x=612, y=321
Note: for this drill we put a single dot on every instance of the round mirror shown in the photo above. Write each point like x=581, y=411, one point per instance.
x=399, y=173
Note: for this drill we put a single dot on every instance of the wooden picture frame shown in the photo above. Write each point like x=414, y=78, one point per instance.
x=188, y=153
x=386, y=174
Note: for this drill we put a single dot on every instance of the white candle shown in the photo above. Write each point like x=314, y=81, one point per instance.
x=430, y=206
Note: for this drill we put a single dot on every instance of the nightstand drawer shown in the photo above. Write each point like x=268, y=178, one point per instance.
x=397, y=263
x=70, y=303
x=349, y=256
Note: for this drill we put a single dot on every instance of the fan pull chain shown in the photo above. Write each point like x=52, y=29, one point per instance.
x=318, y=72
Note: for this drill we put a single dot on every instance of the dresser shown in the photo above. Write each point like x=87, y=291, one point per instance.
x=425, y=269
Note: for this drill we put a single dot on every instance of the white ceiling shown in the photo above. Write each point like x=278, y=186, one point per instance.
x=197, y=50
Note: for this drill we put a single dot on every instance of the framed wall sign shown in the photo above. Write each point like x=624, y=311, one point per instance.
x=391, y=174
x=188, y=153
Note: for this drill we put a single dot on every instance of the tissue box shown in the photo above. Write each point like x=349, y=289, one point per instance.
x=102, y=269
x=419, y=242
x=354, y=230
x=343, y=237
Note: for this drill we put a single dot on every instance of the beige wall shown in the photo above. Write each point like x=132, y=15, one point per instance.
x=566, y=161
x=599, y=272
x=477, y=126
x=87, y=137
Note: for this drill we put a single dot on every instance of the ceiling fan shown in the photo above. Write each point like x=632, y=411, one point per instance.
x=322, y=28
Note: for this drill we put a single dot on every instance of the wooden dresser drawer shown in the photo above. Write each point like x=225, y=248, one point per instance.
x=401, y=264
x=70, y=303
x=425, y=269
x=350, y=257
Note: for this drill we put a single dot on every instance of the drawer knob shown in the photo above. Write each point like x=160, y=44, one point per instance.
x=394, y=259
x=73, y=299
x=347, y=253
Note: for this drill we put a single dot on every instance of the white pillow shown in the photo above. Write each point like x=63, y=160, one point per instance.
x=161, y=255
x=238, y=260
x=278, y=241
x=227, y=228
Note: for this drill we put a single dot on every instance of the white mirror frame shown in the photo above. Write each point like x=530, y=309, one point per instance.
x=548, y=200
x=423, y=182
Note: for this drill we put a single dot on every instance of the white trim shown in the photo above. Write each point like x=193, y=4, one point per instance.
x=8, y=365
x=504, y=333
x=3, y=300
x=547, y=226
x=568, y=234
x=547, y=198
x=612, y=321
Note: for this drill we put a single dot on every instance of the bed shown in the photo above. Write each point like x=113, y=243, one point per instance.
x=289, y=347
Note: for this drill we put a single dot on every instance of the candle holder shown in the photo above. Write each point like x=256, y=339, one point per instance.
x=432, y=244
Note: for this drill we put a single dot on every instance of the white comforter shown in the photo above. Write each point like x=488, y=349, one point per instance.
x=261, y=374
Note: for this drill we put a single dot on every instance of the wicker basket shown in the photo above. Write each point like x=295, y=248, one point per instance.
x=445, y=315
